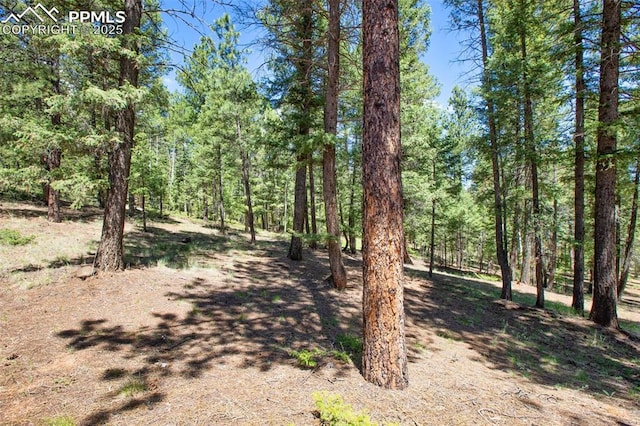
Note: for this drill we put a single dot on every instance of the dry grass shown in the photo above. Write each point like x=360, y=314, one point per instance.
x=206, y=338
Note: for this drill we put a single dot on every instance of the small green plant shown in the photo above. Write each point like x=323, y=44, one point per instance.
x=351, y=345
x=581, y=376
x=276, y=298
x=333, y=411
x=10, y=237
x=60, y=421
x=598, y=340
x=306, y=358
x=133, y=387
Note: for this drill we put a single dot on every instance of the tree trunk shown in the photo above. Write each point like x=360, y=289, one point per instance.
x=312, y=205
x=303, y=81
x=631, y=234
x=432, y=243
x=501, y=238
x=144, y=213
x=52, y=159
x=533, y=162
x=53, y=156
x=329, y=180
x=300, y=201
x=604, y=308
x=553, y=255
x=406, y=259
x=132, y=204
x=247, y=193
x=525, y=271
x=384, y=359
x=220, y=187
x=352, y=212
x=110, y=254
x=246, y=181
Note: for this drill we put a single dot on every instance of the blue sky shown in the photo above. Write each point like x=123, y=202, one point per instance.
x=442, y=56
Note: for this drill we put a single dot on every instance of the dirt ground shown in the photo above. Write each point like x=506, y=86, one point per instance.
x=201, y=329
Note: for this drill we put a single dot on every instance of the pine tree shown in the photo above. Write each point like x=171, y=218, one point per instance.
x=384, y=359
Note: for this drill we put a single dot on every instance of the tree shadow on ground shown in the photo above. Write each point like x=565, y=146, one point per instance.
x=257, y=314
x=541, y=345
x=38, y=210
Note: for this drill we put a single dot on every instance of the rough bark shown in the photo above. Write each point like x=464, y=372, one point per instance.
x=604, y=308
x=501, y=239
x=329, y=180
x=384, y=359
x=109, y=256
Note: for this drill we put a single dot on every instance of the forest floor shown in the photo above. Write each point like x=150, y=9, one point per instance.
x=205, y=329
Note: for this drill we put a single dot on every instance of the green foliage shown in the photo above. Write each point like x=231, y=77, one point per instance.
x=349, y=345
x=307, y=358
x=333, y=411
x=11, y=237
x=133, y=387
x=60, y=421
x=349, y=348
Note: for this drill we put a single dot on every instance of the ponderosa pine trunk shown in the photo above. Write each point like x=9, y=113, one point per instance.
x=329, y=179
x=384, y=358
x=577, y=302
x=299, y=211
x=501, y=238
x=604, y=307
x=627, y=252
x=52, y=159
x=110, y=253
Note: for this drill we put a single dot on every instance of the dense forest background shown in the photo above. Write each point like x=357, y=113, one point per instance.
x=501, y=180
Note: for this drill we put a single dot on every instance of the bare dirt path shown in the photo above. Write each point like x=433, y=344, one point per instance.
x=202, y=328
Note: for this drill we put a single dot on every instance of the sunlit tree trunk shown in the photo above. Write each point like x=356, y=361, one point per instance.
x=501, y=239
x=604, y=308
x=110, y=254
x=384, y=359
